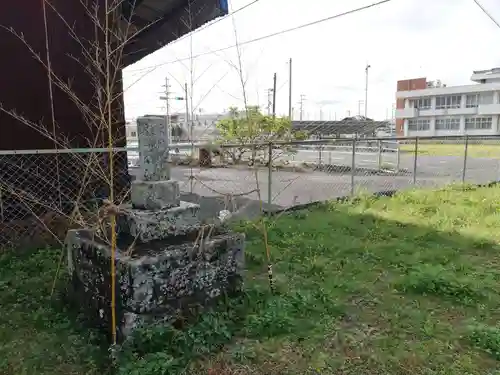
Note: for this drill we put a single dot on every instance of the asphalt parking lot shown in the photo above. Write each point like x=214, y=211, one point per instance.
x=213, y=188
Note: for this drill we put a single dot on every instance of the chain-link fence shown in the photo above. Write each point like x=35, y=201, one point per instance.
x=44, y=192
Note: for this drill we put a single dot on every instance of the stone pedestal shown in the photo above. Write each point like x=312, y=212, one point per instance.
x=163, y=270
x=157, y=282
x=149, y=225
x=155, y=195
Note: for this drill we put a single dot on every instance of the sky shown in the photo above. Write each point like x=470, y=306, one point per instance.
x=402, y=39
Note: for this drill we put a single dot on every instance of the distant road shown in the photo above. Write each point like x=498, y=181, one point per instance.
x=292, y=188
x=362, y=159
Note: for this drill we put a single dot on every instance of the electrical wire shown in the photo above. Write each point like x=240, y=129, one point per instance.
x=207, y=25
x=277, y=33
x=204, y=27
x=487, y=13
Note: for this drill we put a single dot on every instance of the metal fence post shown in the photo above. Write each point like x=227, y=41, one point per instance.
x=379, y=154
x=353, y=165
x=270, y=177
x=1, y=204
x=466, y=149
x=398, y=158
x=415, y=158
x=320, y=155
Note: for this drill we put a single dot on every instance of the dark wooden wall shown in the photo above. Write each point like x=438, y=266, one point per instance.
x=24, y=89
x=24, y=82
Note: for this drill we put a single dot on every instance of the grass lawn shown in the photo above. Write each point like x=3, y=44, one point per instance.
x=402, y=285
x=474, y=150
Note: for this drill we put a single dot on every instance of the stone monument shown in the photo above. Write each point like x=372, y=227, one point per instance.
x=166, y=266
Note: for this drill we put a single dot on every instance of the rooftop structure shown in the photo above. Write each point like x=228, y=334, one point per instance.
x=163, y=21
x=486, y=76
x=345, y=128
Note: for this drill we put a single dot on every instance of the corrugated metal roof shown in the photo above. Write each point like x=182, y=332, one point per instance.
x=339, y=127
x=159, y=22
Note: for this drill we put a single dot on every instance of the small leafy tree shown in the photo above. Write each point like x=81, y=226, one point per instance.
x=251, y=130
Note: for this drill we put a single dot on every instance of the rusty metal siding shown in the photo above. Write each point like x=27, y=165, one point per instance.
x=24, y=83
x=24, y=89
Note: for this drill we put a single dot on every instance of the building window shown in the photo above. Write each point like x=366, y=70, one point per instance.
x=449, y=101
x=472, y=101
x=419, y=124
x=486, y=98
x=448, y=123
x=478, y=123
x=421, y=103
x=133, y=134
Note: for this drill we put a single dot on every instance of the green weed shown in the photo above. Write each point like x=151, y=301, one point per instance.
x=486, y=338
x=367, y=286
x=439, y=281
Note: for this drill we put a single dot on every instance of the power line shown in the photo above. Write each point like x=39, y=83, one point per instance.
x=487, y=13
x=206, y=26
x=349, y=12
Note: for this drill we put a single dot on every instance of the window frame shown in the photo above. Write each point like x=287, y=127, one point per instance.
x=448, y=123
x=419, y=125
x=479, y=123
x=422, y=103
x=469, y=103
x=449, y=101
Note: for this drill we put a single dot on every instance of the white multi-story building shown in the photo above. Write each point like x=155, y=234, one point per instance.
x=426, y=108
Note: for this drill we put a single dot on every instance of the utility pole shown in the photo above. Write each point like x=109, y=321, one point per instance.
x=290, y=110
x=368, y=66
x=189, y=125
x=167, y=114
x=168, y=120
x=302, y=98
x=274, y=94
x=393, y=120
x=360, y=102
x=269, y=101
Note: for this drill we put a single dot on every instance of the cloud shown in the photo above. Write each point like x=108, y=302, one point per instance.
x=326, y=102
x=444, y=39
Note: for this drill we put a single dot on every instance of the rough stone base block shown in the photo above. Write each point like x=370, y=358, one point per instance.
x=155, y=195
x=148, y=225
x=159, y=282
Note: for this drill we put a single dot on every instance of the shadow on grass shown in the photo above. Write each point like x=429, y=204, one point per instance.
x=358, y=291
x=40, y=335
